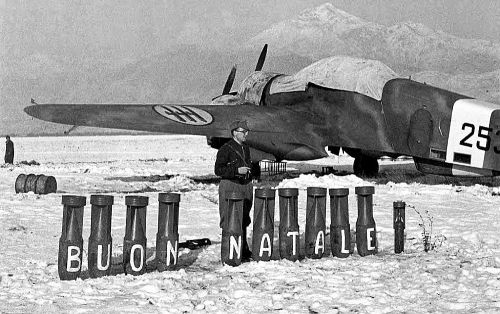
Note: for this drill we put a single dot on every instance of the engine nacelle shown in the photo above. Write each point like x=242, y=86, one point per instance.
x=217, y=142
x=252, y=88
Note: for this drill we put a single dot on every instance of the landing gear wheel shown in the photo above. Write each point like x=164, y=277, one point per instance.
x=365, y=167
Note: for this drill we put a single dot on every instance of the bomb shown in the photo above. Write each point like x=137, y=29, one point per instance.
x=167, y=238
x=100, y=241
x=315, y=222
x=263, y=224
x=134, y=242
x=69, y=261
x=366, y=232
x=232, y=232
x=340, y=234
x=399, y=226
x=289, y=226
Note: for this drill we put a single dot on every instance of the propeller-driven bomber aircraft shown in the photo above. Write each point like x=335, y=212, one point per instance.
x=290, y=119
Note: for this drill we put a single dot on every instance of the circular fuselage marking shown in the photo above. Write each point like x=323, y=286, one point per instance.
x=184, y=114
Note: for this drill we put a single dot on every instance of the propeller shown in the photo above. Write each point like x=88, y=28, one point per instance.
x=262, y=58
x=229, y=81
x=232, y=74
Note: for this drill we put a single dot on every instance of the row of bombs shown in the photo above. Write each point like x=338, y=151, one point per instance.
x=315, y=229
x=100, y=241
x=38, y=184
x=134, y=243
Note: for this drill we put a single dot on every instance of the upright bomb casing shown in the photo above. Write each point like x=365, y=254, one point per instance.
x=232, y=232
x=263, y=224
x=366, y=232
x=100, y=241
x=69, y=261
x=167, y=238
x=289, y=226
x=134, y=242
x=315, y=222
x=340, y=234
x=399, y=226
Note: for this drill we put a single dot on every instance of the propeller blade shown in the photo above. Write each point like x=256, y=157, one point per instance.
x=229, y=82
x=262, y=58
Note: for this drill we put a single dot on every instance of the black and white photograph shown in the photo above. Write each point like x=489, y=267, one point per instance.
x=234, y=156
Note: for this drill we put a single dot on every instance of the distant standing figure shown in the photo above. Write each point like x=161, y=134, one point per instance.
x=233, y=165
x=9, y=150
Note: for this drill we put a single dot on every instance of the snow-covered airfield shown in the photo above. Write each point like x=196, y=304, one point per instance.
x=460, y=274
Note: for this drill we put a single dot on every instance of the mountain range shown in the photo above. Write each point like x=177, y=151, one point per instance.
x=407, y=48
x=195, y=74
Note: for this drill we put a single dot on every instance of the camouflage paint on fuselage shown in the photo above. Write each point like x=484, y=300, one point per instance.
x=463, y=132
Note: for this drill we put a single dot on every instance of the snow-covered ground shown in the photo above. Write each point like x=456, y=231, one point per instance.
x=460, y=274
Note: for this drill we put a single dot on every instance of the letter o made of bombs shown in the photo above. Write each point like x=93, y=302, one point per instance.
x=134, y=242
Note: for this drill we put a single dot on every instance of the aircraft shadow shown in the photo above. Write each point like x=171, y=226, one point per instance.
x=388, y=172
x=400, y=173
x=206, y=179
x=185, y=260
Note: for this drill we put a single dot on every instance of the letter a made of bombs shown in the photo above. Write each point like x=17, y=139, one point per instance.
x=263, y=224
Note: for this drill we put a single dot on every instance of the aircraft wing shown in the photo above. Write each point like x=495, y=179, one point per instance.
x=280, y=124
x=209, y=120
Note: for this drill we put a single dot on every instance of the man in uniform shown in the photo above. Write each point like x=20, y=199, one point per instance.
x=233, y=165
x=9, y=150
